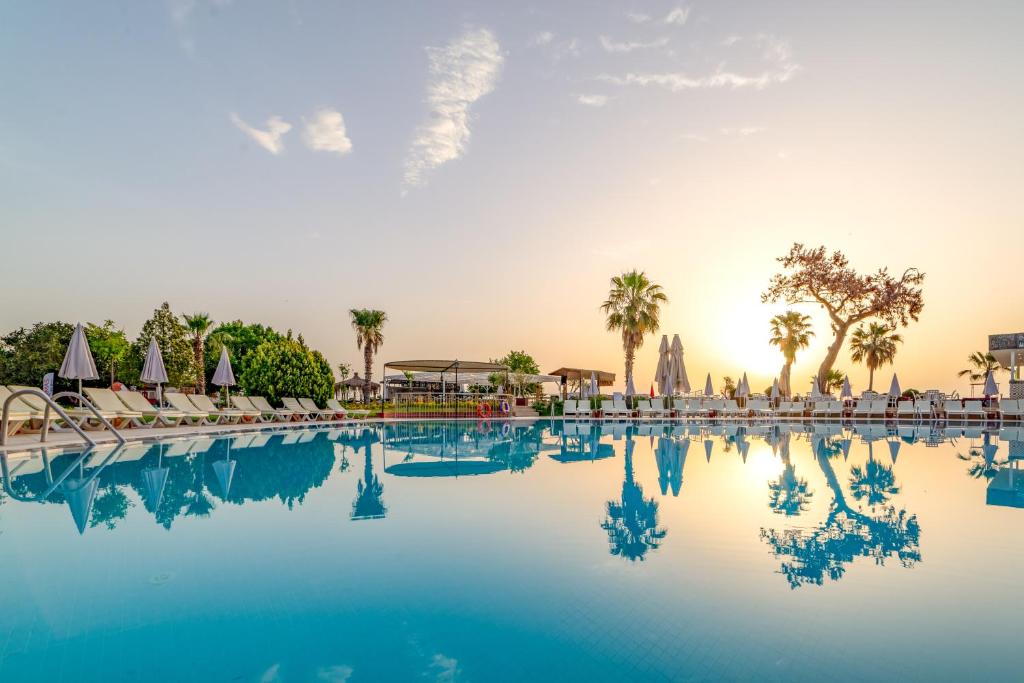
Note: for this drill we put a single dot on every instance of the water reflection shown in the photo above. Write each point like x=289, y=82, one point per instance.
x=789, y=495
x=632, y=520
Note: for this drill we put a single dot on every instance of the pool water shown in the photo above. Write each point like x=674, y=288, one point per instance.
x=458, y=551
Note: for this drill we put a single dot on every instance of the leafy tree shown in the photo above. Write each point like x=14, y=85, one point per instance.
x=791, y=331
x=109, y=347
x=344, y=370
x=728, y=387
x=175, y=348
x=369, y=328
x=980, y=364
x=240, y=339
x=875, y=346
x=198, y=325
x=26, y=354
x=633, y=308
x=848, y=297
x=281, y=368
x=519, y=364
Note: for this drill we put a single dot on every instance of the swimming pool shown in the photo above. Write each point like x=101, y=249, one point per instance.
x=458, y=551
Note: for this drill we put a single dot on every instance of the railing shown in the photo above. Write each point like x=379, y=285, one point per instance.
x=451, y=406
x=51, y=403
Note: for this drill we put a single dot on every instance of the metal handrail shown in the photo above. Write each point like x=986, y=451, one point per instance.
x=51, y=402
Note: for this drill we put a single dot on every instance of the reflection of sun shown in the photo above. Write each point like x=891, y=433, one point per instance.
x=763, y=465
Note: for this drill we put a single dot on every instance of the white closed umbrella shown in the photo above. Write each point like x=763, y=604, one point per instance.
x=630, y=387
x=661, y=373
x=593, y=384
x=709, y=390
x=678, y=368
x=153, y=371
x=894, y=386
x=990, y=385
x=847, y=389
x=743, y=388
x=775, y=390
x=223, y=377
x=78, y=363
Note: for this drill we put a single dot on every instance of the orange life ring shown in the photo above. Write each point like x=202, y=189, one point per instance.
x=483, y=410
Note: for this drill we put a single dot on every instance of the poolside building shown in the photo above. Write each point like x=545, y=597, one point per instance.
x=1008, y=350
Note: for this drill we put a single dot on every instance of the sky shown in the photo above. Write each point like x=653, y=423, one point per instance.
x=480, y=170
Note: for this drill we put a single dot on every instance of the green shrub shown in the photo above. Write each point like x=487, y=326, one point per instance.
x=285, y=368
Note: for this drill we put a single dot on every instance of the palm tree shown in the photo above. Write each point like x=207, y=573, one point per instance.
x=634, y=309
x=368, y=325
x=791, y=331
x=982, y=363
x=875, y=346
x=198, y=325
x=834, y=380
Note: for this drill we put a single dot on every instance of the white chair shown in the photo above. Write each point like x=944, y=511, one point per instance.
x=621, y=408
x=907, y=410
x=952, y=408
x=975, y=409
x=1013, y=410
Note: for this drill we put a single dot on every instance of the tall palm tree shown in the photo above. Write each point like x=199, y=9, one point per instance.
x=791, y=331
x=875, y=346
x=981, y=363
x=368, y=325
x=834, y=380
x=198, y=325
x=634, y=309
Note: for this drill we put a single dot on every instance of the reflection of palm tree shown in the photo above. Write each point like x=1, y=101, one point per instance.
x=874, y=483
x=368, y=503
x=632, y=521
x=983, y=462
x=198, y=503
x=789, y=495
x=845, y=535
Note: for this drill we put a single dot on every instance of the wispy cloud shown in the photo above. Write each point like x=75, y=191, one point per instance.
x=542, y=38
x=269, y=139
x=638, y=17
x=592, y=100
x=326, y=132
x=461, y=73
x=780, y=69
x=678, y=16
x=610, y=45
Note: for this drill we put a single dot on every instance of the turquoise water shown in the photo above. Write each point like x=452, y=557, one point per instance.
x=546, y=551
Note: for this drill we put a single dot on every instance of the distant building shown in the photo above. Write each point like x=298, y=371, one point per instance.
x=1008, y=349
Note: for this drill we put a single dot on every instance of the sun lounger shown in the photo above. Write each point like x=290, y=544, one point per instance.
x=1012, y=410
x=321, y=413
x=621, y=407
x=83, y=417
x=907, y=410
x=244, y=404
x=343, y=412
x=108, y=402
x=227, y=415
x=759, y=407
x=731, y=408
x=296, y=407
x=181, y=403
x=263, y=405
x=133, y=400
x=975, y=410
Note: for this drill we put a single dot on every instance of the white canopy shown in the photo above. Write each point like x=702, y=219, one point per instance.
x=223, y=376
x=78, y=363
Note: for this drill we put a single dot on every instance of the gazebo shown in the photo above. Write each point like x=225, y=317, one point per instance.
x=446, y=403
x=581, y=375
x=1008, y=350
x=354, y=382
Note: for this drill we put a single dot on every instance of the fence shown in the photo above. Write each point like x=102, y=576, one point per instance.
x=451, y=405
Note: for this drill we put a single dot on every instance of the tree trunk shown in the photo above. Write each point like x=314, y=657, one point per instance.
x=832, y=354
x=785, y=383
x=871, y=378
x=630, y=356
x=368, y=370
x=200, y=357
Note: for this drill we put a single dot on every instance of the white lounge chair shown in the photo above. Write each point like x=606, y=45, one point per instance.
x=83, y=417
x=181, y=403
x=244, y=404
x=296, y=407
x=621, y=408
x=108, y=402
x=133, y=400
x=1011, y=409
x=645, y=408
x=344, y=412
x=227, y=415
x=321, y=413
x=263, y=405
x=975, y=410
x=907, y=410
x=760, y=407
x=953, y=409
x=610, y=409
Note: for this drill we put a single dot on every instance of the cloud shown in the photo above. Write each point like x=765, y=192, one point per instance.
x=678, y=16
x=611, y=46
x=542, y=38
x=326, y=132
x=461, y=73
x=729, y=41
x=638, y=17
x=780, y=69
x=743, y=131
x=592, y=100
x=269, y=139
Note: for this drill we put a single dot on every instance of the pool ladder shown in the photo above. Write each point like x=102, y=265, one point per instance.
x=51, y=403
